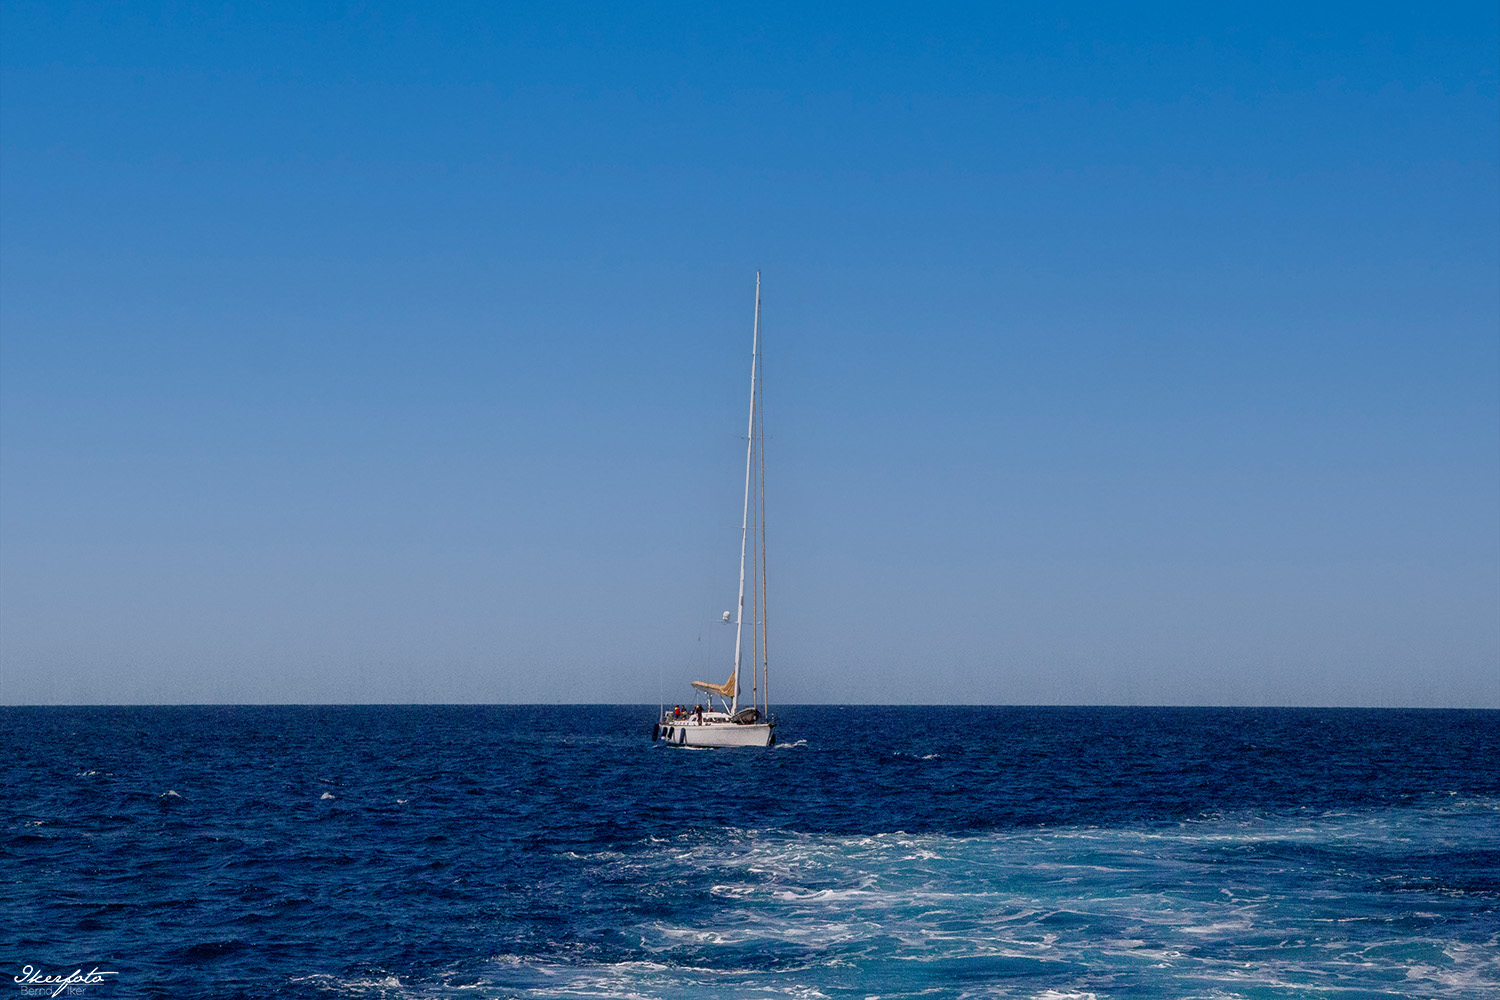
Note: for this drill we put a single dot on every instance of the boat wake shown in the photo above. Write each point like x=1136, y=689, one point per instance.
x=1350, y=903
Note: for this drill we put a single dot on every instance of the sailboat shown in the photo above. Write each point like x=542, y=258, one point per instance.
x=728, y=724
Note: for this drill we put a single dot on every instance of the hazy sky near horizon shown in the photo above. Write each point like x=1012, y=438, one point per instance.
x=378, y=352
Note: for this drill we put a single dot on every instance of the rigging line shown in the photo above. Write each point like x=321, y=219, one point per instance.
x=760, y=413
x=739, y=625
x=760, y=483
x=758, y=639
x=754, y=590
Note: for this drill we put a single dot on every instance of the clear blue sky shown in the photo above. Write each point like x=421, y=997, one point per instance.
x=395, y=352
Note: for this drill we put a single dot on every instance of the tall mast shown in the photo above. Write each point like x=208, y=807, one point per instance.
x=739, y=624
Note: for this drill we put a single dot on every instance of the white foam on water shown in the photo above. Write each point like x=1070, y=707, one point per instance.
x=1216, y=928
x=736, y=891
x=382, y=987
x=1224, y=907
x=1191, y=904
x=826, y=896
x=638, y=980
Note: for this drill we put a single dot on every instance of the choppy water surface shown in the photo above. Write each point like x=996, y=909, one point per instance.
x=877, y=852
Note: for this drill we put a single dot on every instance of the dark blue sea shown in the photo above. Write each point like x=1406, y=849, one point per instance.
x=874, y=852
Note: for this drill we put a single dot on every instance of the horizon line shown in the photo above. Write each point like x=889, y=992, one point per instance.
x=809, y=704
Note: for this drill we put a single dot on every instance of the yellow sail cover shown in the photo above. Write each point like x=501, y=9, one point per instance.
x=725, y=690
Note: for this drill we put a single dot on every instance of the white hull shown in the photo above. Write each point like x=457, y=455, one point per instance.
x=688, y=733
